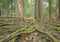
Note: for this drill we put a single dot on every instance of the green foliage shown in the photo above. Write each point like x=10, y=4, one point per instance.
x=29, y=8
x=8, y=7
x=46, y=8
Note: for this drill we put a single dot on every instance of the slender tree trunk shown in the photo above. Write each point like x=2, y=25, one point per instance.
x=38, y=15
x=21, y=17
x=58, y=10
x=0, y=13
x=50, y=10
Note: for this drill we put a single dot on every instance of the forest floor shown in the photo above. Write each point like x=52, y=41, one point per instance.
x=42, y=32
x=46, y=33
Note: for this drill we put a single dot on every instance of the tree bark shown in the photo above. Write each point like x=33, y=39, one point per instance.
x=58, y=9
x=21, y=17
x=50, y=10
x=38, y=15
x=0, y=13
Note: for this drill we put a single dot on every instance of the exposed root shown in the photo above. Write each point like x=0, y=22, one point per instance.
x=16, y=33
x=49, y=35
x=24, y=31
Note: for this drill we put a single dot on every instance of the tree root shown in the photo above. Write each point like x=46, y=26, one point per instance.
x=16, y=33
x=22, y=31
x=49, y=35
x=9, y=37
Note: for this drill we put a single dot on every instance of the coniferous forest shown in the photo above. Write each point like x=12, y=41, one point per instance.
x=29, y=20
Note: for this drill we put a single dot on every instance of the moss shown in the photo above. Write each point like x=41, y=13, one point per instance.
x=55, y=28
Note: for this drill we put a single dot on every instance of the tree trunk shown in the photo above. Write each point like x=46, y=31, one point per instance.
x=58, y=10
x=38, y=15
x=0, y=13
x=50, y=10
x=21, y=17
